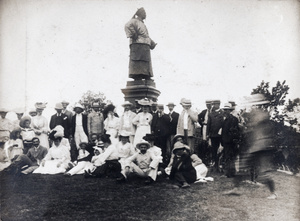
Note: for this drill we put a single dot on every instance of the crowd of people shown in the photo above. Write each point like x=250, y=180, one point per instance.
x=144, y=141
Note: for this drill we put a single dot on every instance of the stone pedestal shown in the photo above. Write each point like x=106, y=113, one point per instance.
x=138, y=89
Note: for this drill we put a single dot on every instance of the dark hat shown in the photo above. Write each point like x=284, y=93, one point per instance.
x=160, y=106
x=215, y=102
x=208, y=101
x=108, y=108
x=83, y=143
x=96, y=105
x=140, y=11
x=65, y=102
x=105, y=138
x=149, y=137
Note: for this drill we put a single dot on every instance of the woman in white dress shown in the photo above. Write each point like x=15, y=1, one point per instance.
x=40, y=125
x=57, y=159
x=142, y=121
x=111, y=123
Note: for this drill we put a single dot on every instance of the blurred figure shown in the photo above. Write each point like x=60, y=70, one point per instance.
x=259, y=145
x=173, y=116
x=111, y=123
x=19, y=112
x=79, y=125
x=66, y=111
x=6, y=126
x=95, y=121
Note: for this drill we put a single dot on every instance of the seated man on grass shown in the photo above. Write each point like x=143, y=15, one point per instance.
x=143, y=164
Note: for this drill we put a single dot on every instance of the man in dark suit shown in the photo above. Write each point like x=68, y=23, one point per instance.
x=214, y=129
x=60, y=119
x=172, y=125
x=160, y=128
x=203, y=145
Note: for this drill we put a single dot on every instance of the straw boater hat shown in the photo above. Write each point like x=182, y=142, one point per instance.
x=19, y=111
x=171, y=104
x=160, y=106
x=126, y=103
x=32, y=110
x=258, y=99
x=215, y=102
x=58, y=106
x=65, y=102
x=143, y=142
x=185, y=102
x=77, y=105
x=228, y=106
x=208, y=101
x=179, y=145
x=145, y=102
x=40, y=105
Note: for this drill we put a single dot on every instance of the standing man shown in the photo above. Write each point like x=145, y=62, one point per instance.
x=229, y=139
x=202, y=119
x=186, y=123
x=60, y=119
x=67, y=112
x=172, y=125
x=214, y=130
x=95, y=121
x=154, y=108
x=126, y=121
x=160, y=128
x=79, y=126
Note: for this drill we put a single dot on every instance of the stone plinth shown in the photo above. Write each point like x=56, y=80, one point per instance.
x=138, y=89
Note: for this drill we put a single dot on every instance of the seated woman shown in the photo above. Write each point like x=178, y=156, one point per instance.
x=83, y=161
x=57, y=159
x=182, y=170
x=14, y=147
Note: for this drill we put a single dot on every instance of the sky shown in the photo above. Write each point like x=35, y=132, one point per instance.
x=210, y=49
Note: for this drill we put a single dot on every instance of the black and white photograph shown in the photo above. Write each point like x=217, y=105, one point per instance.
x=149, y=110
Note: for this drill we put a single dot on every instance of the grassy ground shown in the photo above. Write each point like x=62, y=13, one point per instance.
x=55, y=197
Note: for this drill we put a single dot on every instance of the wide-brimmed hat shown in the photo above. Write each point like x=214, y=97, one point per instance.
x=23, y=120
x=143, y=142
x=185, y=102
x=40, y=105
x=176, y=136
x=179, y=145
x=65, y=102
x=232, y=103
x=149, y=137
x=77, y=105
x=228, y=106
x=160, y=106
x=3, y=110
x=145, y=102
x=258, y=99
x=126, y=103
x=59, y=131
x=124, y=133
x=13, y=134
x=208, y=101
x=171, y=104
x=58, y=106
x=55, y=134
x=95, y=104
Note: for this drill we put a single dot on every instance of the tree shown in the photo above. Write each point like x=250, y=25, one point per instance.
x=90, y=97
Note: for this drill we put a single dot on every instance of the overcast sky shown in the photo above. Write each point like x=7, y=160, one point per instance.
x=54, y=50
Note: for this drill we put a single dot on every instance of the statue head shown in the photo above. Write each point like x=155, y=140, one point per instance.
x=141, y=13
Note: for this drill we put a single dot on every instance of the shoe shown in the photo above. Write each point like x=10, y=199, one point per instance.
x=200, y=181
x=272, y=197
x=234, y=191
x=67, y=174
x=185, y=185
x=70, y=165
x=149, y=181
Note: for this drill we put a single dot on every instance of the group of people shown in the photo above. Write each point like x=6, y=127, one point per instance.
x=144, y=141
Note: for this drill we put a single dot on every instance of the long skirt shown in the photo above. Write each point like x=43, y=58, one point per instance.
x=141, y=131
x=50, y=167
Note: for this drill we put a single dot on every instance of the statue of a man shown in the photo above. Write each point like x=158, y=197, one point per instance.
x=140, y=66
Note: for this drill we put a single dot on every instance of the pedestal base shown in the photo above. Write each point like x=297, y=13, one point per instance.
x=138, y=89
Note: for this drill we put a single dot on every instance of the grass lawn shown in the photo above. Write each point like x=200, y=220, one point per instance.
x=55, y=197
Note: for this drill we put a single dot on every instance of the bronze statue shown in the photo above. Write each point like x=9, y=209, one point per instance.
x=140, y=66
